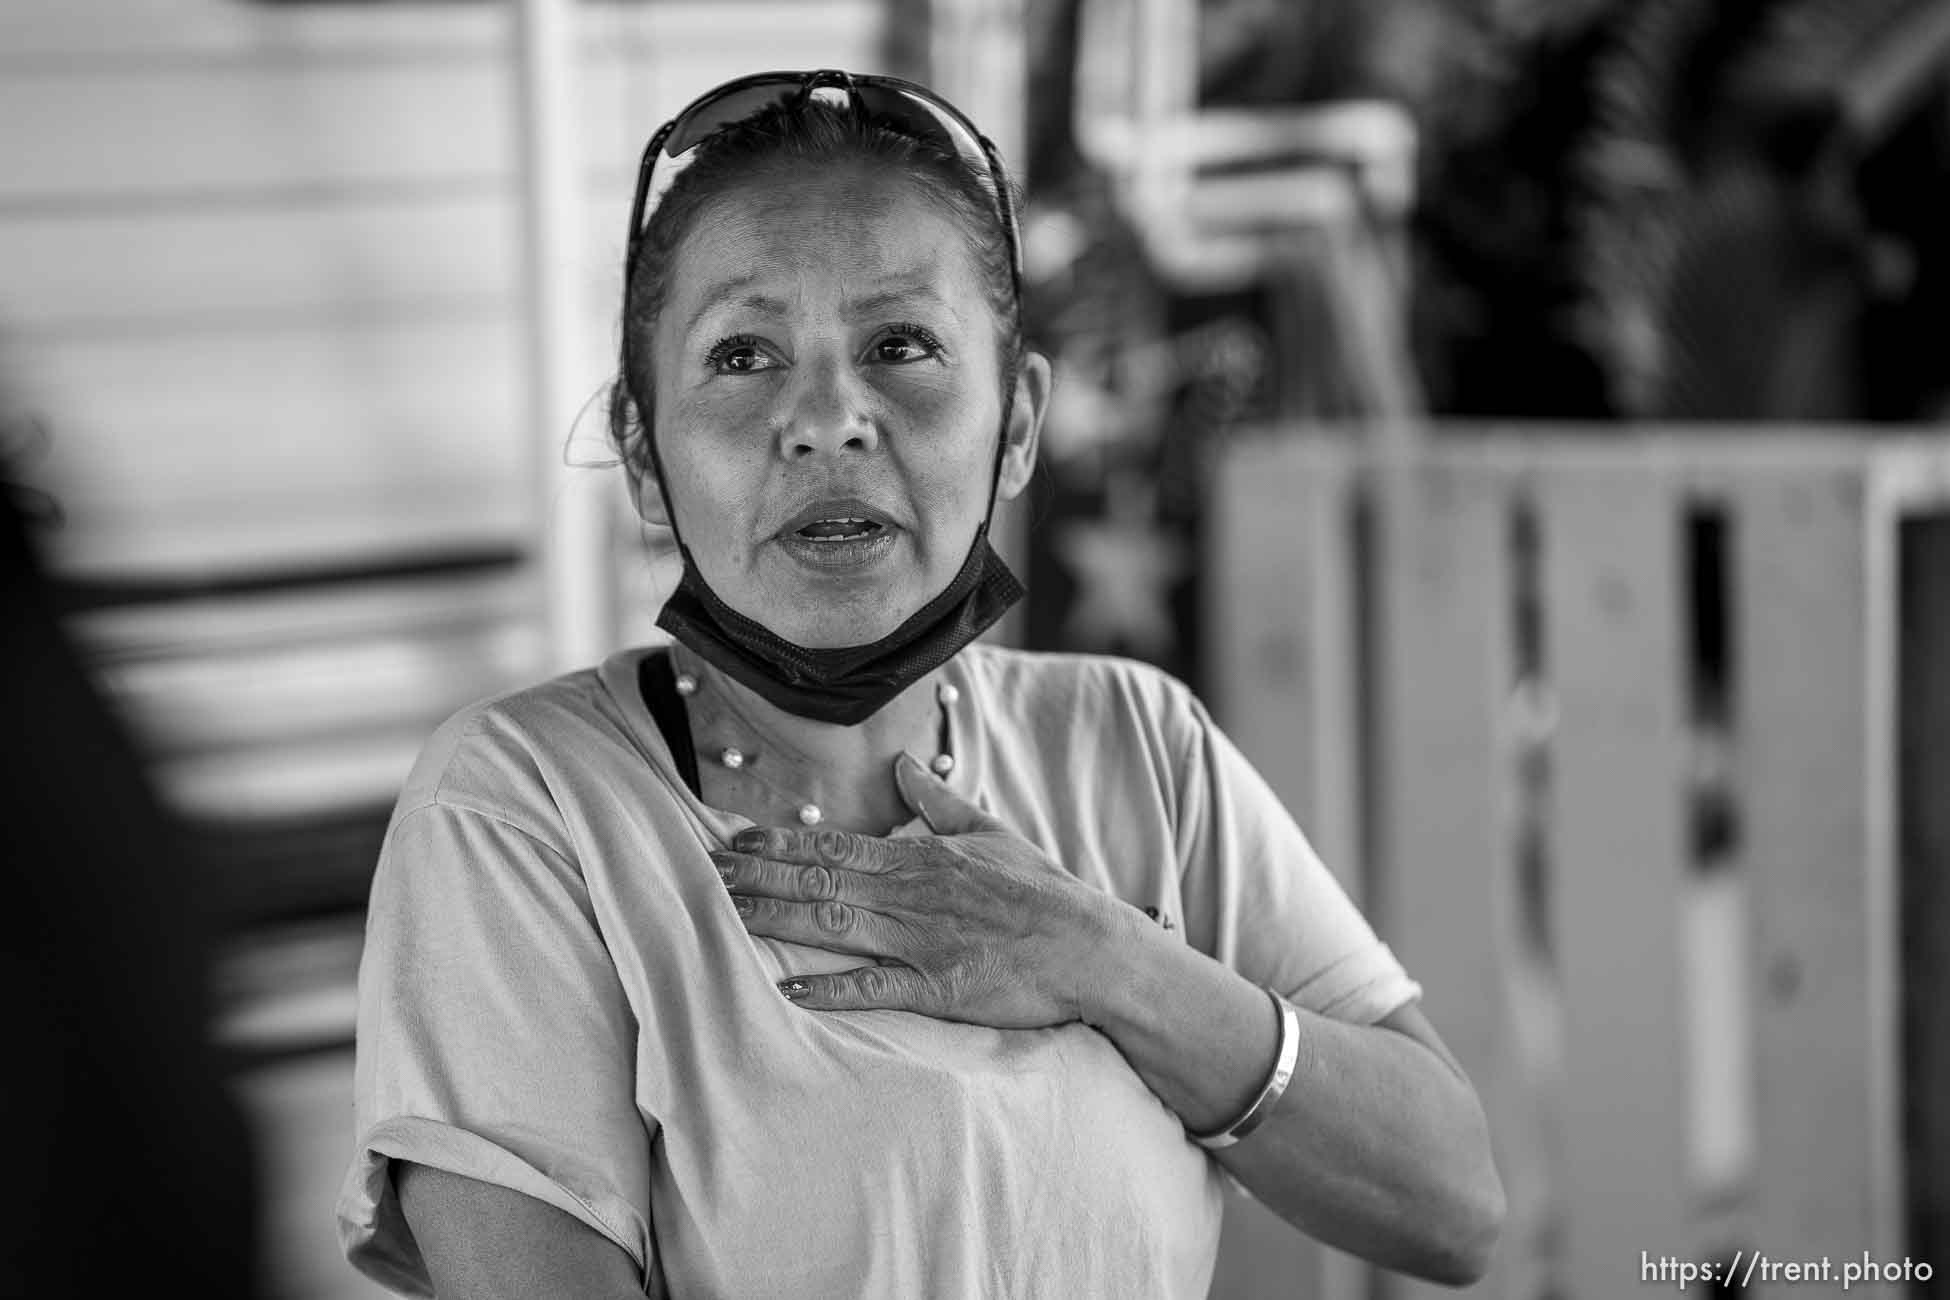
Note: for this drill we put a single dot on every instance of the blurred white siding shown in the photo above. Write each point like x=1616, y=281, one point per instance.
x=259, y=262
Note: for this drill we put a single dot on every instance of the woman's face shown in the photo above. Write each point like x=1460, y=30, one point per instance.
x=828, y=403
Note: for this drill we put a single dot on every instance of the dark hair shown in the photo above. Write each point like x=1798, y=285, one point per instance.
x=772, y=140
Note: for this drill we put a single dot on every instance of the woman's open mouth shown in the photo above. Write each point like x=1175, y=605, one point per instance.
x=838, y=535
x=828, y=532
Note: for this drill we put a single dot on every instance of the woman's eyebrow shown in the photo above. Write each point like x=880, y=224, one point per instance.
x=899, y=294
x=728, y=296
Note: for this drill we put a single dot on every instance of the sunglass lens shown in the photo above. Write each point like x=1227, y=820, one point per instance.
x=918, y=117
x=722, y=111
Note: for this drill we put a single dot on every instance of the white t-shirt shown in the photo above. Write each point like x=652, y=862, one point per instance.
x=558, y=997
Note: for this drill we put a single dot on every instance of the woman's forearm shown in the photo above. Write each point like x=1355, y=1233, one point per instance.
x=1379, y=1145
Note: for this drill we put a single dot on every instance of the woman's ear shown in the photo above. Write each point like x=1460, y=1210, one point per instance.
x=631, y=436
x=645, y=488
x=1023, y=430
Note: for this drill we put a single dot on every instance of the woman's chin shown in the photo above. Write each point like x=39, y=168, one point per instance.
x=838, y=632
x=829, y=624
x=840, y=617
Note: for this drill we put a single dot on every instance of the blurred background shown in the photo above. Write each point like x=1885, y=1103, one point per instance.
x=1524, y=421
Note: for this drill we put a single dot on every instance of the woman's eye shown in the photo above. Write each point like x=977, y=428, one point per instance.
x=905, y=343
x=736, y=356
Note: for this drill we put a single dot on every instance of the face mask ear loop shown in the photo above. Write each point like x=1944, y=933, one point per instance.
x=657, y=469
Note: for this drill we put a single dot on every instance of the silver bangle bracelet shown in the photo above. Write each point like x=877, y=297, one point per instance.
x=1276, y=1083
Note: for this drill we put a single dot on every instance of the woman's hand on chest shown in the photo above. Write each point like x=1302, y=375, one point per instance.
x=973, y=923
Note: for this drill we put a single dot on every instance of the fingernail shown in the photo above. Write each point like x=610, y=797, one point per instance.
x=794, y=989
x=748, y=841
x=744, y=903
x=725, y=871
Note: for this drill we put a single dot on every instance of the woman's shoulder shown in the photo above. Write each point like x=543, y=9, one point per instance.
x=1035, y=681
x=506, y=746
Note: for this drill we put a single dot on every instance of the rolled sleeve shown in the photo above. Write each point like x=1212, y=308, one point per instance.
x=1257, y=896
x=494, y=1040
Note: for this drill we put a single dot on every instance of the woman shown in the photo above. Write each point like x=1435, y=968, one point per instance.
x=826, y=952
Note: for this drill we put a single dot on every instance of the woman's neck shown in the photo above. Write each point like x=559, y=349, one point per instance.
x=847, y=773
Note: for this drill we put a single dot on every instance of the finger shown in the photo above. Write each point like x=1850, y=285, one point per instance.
x=864, y=988
x=835, y=926
x=803, y=882
x=937, y=803
x=824, y=847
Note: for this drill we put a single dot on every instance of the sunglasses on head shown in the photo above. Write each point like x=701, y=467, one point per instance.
x=912, y=109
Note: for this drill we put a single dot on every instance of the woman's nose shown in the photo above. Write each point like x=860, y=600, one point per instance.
x=826, y=413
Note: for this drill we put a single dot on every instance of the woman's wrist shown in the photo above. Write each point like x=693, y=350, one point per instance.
x=1199, y=1033
x=1271, y=1091
x=1109, y=947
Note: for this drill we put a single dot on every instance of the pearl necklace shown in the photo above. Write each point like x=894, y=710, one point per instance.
x=808, y=812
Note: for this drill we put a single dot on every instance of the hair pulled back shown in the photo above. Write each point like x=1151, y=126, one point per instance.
x=801, y=138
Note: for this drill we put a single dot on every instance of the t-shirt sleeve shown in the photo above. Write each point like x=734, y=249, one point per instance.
x=494, y=1040
x=1257, y=897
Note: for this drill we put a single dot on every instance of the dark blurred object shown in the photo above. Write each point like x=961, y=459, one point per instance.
x=1496, y=284
x=1682, y=209
x=1791, y=264
x=132, y=1165
x=1923, y=838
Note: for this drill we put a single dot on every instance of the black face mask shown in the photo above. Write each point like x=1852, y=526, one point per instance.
x=847, y=684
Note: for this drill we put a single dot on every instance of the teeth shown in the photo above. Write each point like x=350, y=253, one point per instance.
x=855, y=528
